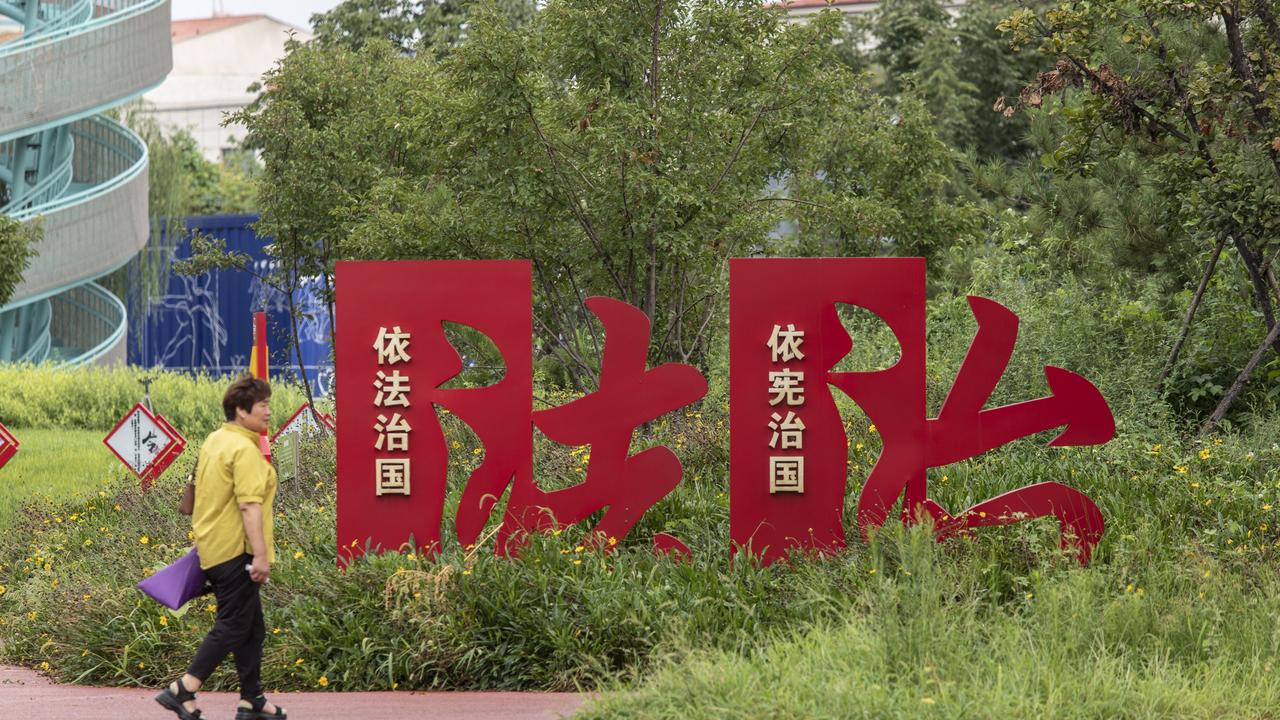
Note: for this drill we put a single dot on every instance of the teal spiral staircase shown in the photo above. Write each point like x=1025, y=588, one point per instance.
x=83, y=175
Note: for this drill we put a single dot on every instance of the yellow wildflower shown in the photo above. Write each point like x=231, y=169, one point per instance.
x=144, y=540
x=1181, y=469
x=1204, y=454
x=164, y=621
x=299, y=555
x=871, y=428
x=323, y=681
x=299, y=661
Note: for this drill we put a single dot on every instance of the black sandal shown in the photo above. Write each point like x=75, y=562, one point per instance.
x=255, y=711
x=173, y=701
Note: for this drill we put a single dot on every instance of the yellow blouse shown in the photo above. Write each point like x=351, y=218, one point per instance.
x=232, y=471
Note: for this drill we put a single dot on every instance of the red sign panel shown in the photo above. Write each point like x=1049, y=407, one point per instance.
x=8, y=445
x=788, y=449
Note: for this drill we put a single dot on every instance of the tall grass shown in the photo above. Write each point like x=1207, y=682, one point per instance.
x=925, y=637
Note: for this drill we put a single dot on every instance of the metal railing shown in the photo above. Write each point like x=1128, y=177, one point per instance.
x=48, y=21
x=106, y=156
x=87, y=324
x=82, y=174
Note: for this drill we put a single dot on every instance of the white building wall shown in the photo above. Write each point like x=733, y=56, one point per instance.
x=211, y=74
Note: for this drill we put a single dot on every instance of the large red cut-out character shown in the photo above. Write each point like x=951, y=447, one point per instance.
x=395, y=315
x=769, y=519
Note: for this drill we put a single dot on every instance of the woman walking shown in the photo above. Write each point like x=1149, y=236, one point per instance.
x=235, y=489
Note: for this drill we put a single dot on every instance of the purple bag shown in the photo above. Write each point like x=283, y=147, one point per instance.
x=178, y=583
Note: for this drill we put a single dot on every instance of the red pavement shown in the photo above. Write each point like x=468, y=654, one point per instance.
x=27, y=695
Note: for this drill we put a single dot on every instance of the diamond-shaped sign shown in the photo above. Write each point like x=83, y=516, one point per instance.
x=304, y=422
x=141, y=439
x=8, y=445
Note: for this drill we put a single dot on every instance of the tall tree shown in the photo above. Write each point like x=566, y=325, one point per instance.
x=1190, y=88
x=17, y=248
x=627, y=149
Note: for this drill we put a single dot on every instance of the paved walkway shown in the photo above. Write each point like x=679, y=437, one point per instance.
x=27, y=695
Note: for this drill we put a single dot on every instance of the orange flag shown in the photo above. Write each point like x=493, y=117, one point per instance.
x=258, y=367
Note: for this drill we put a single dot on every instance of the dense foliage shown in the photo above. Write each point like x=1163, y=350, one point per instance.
x=17, y=248
x=626, y=150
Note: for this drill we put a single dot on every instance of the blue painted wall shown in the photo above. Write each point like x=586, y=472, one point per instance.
x=205, y=323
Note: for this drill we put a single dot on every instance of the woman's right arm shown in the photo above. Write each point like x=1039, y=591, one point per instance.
x=251, y=514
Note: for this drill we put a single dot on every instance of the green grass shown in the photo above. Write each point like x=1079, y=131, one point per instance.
x=62, y=464
x=1187, y=638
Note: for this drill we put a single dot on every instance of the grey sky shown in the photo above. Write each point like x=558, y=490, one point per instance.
x=295, y=12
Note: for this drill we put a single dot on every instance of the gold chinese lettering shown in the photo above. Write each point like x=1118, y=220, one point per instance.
x=788, y=430
x=393, y=389
x=393, y=433
x=785, y=386
x=392, y=347
x=786, y=474
x=392, y=476
x=784, y=345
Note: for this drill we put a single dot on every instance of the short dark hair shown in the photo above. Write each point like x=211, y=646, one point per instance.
x=244, y=393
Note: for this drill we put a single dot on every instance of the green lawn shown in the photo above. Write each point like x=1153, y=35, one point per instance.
x=57, y=463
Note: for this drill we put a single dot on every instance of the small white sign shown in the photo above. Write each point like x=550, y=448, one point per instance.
x=139, y=439
x=304, y=422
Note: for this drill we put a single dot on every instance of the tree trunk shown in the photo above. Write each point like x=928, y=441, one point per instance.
x=1191, y=314
x=1227, y=400
x=290, y=287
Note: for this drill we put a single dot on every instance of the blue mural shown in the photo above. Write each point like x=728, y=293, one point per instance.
x=205, y=323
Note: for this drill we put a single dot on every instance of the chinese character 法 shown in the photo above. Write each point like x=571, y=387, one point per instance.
x=392, y=476
x=786, y=474
x=785, y=385
x=784, y=345
x=393, y=389
x=392, y=347
x=789, y=430
x=394, y=433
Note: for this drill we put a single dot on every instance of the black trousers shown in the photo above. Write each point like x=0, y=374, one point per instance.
x=238, y=628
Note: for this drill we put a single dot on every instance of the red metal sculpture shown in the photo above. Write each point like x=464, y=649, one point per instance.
x=629, y=396
x=788, y=462
x=403, y=349
x=788, y=459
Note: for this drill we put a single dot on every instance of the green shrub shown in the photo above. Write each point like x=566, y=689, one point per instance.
x=95, y=398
